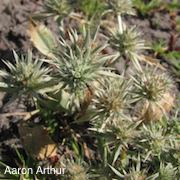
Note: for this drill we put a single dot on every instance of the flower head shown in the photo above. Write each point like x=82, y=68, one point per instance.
x=25, y=77
x=113, y=97
x=126, y=41
x=151, y=86
x=120, y=6
x=57, y=8
x=76, y=170
x=112, y=100
x=80, y=62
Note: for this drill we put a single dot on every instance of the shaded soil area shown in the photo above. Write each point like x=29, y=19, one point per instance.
x=14, y=21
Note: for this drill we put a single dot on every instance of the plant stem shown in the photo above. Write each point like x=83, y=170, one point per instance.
x=120, y=23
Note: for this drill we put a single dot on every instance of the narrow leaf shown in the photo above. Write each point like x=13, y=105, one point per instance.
x=116, y=171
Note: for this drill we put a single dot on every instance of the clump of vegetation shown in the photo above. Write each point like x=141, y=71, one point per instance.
x=84, y=90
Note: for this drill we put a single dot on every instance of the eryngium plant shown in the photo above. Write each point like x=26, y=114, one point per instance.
x=57, y=8
x=151, y=86
x=76, y=170
x=112, y=100
x=155, y=141
x=135, y=173
x=166, y=172
x=80, y=62
x=126, y=41
x=25, y=77
x=118, y=132
x=119, y=6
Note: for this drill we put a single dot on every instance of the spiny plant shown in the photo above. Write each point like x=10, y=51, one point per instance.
x=126, y=42
x=119, y=7
x=111, y=100
x=25, y=77
x=159, y=141
x=85, y=88
x=80, y=62
x=166, y=171
x=151, y=86
x=134, y=173
x=154, y=90
x=59, y=9
x=77, y=170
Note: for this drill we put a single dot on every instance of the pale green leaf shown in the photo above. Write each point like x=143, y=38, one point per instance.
x=42, y=38
x=116, y=171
